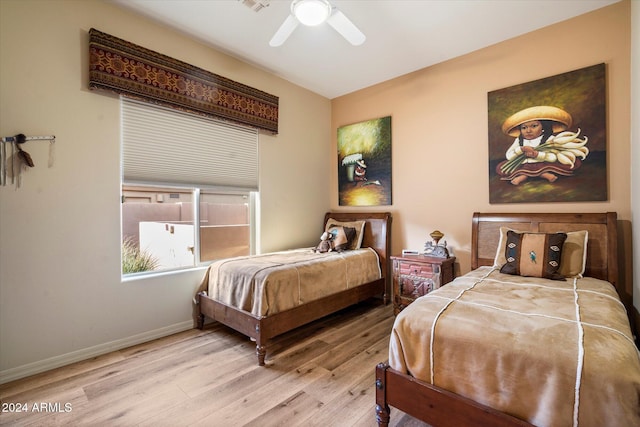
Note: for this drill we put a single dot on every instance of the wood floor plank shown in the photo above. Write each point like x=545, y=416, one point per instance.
x=346, y=410
x=189, y=412
x=260, y=400
x=220, y=399
x=287, y=413
x=149, y=373
x=357, y=342
x=337, y=386
x=50, y=377
x=225, y=367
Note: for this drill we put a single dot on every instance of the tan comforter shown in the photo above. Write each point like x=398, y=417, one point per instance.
x=274, y=282
x=536, y=349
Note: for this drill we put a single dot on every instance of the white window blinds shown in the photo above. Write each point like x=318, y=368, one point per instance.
x=161, y=145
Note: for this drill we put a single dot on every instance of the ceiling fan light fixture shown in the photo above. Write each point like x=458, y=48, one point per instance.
x=315, y=12
x=311, y=12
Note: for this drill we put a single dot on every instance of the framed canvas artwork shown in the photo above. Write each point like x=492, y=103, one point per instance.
x=364, y=163
x=547, y=139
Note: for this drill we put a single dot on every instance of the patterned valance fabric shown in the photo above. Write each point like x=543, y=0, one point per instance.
x=128, y=69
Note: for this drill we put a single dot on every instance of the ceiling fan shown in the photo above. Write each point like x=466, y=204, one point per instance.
x=316, y=12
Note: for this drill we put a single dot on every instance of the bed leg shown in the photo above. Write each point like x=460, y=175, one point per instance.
x=261, y=352
x=382, y=409
x=382, y=416
x=200, y=321
x=199, y=315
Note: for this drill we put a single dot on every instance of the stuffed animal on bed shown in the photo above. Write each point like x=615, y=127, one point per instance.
x=326, y=244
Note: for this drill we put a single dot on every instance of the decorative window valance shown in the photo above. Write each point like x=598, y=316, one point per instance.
x=128, y=69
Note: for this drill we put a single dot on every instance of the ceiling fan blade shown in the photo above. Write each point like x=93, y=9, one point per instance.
x=284, y=31
x=346, y=28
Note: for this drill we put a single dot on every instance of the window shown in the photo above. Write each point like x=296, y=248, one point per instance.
x=189, y=189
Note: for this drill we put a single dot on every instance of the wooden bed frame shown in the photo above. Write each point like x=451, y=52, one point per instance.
x=377, y=235
x=441, y=408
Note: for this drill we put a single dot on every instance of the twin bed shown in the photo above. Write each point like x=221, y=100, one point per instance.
x=264, y=296
x=498, y=349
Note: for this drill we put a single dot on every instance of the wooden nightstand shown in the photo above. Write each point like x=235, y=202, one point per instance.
x=417, y=275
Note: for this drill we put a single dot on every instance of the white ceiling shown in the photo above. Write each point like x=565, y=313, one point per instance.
x=402, y=35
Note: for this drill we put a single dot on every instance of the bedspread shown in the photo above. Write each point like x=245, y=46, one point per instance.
x=278, y=281
x=554, y=353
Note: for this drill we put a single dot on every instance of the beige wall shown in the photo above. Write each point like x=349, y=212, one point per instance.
x=439, y=128
x=61, y=296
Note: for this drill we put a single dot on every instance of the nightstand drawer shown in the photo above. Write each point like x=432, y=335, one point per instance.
x=415, y=286
x=419, y=269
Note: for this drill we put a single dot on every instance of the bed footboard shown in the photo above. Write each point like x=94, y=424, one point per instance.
x=262, y=329
x=433, y=405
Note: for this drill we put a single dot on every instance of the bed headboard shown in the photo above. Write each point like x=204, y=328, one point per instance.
x=602, y=247
x=377, y=235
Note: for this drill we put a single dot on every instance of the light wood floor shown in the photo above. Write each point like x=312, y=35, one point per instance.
x=321, y=374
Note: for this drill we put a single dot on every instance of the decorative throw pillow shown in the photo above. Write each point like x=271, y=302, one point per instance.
x=342, y=237
x=358, y=226
x=574, y=252
x=534, y=254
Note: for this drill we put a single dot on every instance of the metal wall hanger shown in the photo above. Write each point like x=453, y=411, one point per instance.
x=19, y=159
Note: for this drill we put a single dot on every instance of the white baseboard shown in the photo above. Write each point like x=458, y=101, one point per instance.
x=87, y=353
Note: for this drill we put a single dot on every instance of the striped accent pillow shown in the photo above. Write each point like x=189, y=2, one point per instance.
x=534, y=254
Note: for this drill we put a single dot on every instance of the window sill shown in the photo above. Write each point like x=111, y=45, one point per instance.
x=134, y=277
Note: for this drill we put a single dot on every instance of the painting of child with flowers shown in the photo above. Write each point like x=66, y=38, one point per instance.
x=547, y=139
